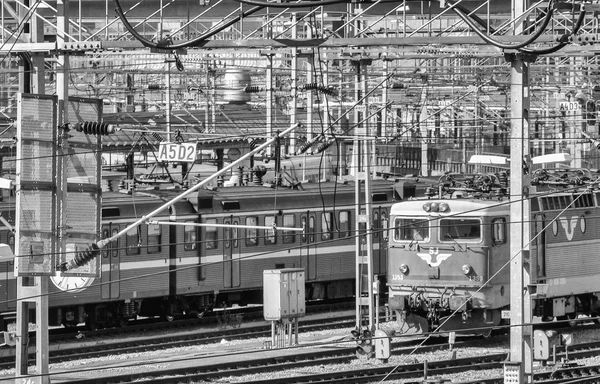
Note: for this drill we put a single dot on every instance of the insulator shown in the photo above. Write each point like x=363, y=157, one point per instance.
x=154, y=87
x=81, y=258
x=323, y=146
x=305, y=147
x=252, y=89
x=327, y=91
x=157, y=136
x=253, y=143
x=95, y=128
x=310, y=86
x=397, y=85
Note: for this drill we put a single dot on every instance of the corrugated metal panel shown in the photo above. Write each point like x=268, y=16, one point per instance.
x=35, y=222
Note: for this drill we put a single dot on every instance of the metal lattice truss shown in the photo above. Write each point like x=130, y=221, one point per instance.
x=415, y=70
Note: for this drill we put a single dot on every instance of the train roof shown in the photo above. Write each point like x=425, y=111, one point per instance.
x=253, y=198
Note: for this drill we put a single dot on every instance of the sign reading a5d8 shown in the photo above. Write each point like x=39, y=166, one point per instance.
x=185, y=152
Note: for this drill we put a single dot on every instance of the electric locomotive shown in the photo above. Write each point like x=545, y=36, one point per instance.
x=449, y=252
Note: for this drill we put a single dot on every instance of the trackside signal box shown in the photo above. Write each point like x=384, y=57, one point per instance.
x=283, y=293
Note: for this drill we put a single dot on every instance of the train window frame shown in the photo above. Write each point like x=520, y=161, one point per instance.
x=499, y=234
x=227, y=234
x=270, y=234
x=344, y=229
x=133, y=241
x=311, y=228
x=413, y=230
x=376, y=224
x=252, y=233
x=190, y=237
x=326, y=226
x=153, y=246
x=235, y=234
x=115, y=243
x=105, y=235
x=289, y=221
x=459, y=229
x=211, y=235
x=384, y=224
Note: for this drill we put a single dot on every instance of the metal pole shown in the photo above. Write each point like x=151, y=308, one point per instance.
x=168, y=98
x=520, y=306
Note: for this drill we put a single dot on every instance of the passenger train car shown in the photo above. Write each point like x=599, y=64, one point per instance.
x=448, y=259
x=172, y=266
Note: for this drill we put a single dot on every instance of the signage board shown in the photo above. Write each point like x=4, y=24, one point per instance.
x=173, y=152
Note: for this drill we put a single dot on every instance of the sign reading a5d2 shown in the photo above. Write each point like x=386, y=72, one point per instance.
x=185, y=152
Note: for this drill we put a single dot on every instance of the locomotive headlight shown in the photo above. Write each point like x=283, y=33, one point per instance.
x=444, y=207
x=466, y=269
x=435, y=207
x=404, y=269
x=427, y=207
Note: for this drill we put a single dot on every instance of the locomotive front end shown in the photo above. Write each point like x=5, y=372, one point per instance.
x=441, y=263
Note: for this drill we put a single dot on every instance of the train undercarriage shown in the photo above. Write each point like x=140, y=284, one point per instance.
x=119, y=313
x=416, y=314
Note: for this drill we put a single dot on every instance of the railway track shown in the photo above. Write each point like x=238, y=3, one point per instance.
x=295, y=360
x=99, y=347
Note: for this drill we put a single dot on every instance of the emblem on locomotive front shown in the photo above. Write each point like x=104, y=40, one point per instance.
x=569, y=226
x=434, y=253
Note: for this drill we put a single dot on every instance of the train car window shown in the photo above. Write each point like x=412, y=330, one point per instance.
x=133, y=241
x=227, y=234
x=115, y=244
x=499, y=231
x=384, y=225
x=190, y=237
x=211, y=235
x=105, y=235
x=270, y=234
x=344, y=224
x=290, y=222
x=376, y=226
x=460, y=229
x=154, y=238
x=234, y=233
x=326, y=230
x=311, y=229
x=251, y=233
x=304, y=235
x=411, y=229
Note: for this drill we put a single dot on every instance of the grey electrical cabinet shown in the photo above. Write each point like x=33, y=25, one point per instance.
x=283, y=293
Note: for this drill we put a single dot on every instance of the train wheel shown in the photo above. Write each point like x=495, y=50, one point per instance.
x=91, y=325
x=571, y=317
x=123, y=321
x=487, y=333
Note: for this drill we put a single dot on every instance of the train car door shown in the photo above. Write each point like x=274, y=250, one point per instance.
x=110, y=264
x=379, y=240
x=231, y=253
x=309, y=246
